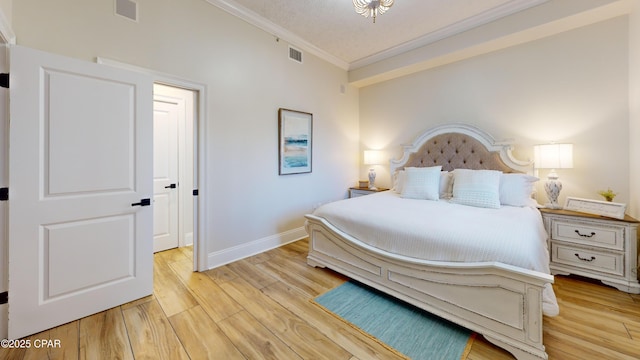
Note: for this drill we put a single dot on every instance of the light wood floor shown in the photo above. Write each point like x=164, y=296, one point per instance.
x=259, y=308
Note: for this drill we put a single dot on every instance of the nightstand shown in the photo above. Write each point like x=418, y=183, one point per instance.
x=356, y=191
x=594, y=246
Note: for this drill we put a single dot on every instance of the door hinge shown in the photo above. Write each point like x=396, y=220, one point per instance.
x=4, y=297
x=195, y=192
x=4, y=80
x=4, y=194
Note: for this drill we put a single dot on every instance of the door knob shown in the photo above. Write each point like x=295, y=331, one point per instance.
x=143, y=202
x=172, y=186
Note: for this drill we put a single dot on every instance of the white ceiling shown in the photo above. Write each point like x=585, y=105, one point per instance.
x=333, y=30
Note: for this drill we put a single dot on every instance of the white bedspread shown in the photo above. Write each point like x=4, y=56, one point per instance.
x=442, y=231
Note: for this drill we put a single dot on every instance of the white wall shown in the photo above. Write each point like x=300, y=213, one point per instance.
x=570, y=87
x=248, y=77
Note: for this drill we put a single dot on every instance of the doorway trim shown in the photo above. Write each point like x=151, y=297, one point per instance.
x=200, y=90
x=7, y=38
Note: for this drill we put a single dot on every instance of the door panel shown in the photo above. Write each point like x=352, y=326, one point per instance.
x=80, y=156
x=164, y=235
x=111, y=237
x=78, y=119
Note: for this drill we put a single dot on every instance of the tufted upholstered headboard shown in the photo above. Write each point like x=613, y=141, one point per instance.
x=459, y=146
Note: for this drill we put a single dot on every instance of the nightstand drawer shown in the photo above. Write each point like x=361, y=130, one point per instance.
x=356, y=193
x=611, y=237
x=588, y=259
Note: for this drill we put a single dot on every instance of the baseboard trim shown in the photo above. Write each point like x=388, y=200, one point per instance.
x=226, y=256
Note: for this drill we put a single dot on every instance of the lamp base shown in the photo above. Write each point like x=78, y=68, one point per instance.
x=555, y=206
x=372, y=179
x=552, y=187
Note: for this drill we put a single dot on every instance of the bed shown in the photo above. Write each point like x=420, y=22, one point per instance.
x=411, y=248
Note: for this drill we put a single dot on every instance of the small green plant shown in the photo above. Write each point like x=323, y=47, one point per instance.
x=607, y=194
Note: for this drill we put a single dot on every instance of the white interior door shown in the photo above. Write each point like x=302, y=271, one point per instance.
x=80, y=160
x=166, y=114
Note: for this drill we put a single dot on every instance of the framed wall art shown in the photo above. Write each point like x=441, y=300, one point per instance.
x=295, y=138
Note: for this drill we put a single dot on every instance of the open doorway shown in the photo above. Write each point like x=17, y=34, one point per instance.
x=174, y=140
x=199, y=95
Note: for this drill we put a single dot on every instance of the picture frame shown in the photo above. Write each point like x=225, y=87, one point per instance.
x=596, y=207
x=295, y=134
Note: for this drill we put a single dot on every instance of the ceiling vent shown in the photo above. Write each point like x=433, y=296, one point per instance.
x=295, y=54
x=128, y=9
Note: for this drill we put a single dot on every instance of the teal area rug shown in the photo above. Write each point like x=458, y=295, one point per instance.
x=404, y=327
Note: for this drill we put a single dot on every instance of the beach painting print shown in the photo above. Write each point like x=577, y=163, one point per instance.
x=294, y=132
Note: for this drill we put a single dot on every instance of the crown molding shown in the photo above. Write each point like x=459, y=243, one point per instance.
x=461, y=26
x=260, y=22
x=253, y=18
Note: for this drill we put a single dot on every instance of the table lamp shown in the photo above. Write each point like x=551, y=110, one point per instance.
x=372, y=157
x=553, y=156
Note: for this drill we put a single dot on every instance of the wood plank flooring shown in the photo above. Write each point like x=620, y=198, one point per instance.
x=258, y=308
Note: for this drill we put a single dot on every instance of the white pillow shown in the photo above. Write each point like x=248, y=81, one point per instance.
x=480, y=188
x=398, y=181
x=421, y=183
x=446, y=185
x=516, y=190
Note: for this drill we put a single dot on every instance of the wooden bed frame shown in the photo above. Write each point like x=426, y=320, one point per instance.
x=499, y=301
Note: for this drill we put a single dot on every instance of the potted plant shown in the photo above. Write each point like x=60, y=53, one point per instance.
x=607, y=194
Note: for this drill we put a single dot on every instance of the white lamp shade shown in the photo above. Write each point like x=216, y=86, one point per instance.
x=372, y=157
x=553, y=156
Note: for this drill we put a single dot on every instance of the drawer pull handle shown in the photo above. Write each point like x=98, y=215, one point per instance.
x=585, y=235
x=585, y=259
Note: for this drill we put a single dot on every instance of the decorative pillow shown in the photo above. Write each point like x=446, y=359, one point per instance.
x=398, y=181
x=446, y=185
x=480, y=188
x=516, y=190
x=422, y=183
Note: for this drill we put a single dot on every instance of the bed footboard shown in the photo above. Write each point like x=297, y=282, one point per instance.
x=501, y=302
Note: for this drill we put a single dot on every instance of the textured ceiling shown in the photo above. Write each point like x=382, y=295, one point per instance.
x=333, y=26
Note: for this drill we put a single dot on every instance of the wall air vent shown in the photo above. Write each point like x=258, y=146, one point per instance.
x=295, y=54
x=127, y=8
